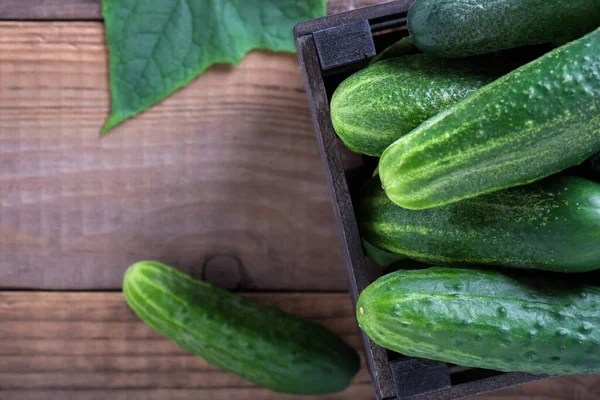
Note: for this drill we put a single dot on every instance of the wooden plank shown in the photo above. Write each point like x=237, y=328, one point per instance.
x=228, y=166
x=89, y=10
x=88, y=346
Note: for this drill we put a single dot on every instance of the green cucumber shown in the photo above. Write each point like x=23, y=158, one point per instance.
x=385, y=101
x=458, y=28
x=274, y=349
x=533, y=122
x=553, y=224
x=485, y=319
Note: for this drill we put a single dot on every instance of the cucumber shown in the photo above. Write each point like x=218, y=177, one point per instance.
x=265, y=345
x=553, y=224
x=485, y=319
x=533, y=122
x=383, y=102
x=458, y=28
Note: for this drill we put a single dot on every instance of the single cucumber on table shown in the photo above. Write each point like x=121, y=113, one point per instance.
x=485, y=319
x=458, y=28
x=533, y=122
x=272, y=348
x=385, y=101
x=553, y=224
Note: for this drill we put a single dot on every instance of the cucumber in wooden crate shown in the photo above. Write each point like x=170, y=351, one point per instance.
x=553, y=224
x=272, y=348
x=533, y=122
x=458, y=28
x=385, y=101
x=485, y=319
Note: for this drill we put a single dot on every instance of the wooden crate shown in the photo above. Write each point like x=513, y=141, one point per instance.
x=330, y=49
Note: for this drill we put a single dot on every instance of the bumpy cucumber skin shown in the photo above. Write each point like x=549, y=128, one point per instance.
x=553, y=225
x=533, y=122
x=274, y=349
x=458, y=28
x=385, y=101
x=485, y=319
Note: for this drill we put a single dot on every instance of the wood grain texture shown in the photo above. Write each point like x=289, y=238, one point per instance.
x=229, y=165
x=86, y=346
x=89, y=10
x=91, y=346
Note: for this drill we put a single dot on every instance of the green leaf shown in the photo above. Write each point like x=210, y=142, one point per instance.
x=158, y=46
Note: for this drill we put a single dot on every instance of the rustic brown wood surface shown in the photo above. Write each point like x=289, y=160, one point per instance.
x=87, y=346
x=229, y=165
x=91, y=346
x=90, y=9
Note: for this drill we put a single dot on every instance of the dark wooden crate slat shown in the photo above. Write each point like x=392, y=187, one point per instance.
x=344, y=44
x=344, y=212
x=397, y=7
x=486, y=385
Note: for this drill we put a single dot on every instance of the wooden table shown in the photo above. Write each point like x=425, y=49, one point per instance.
x=222, y=180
